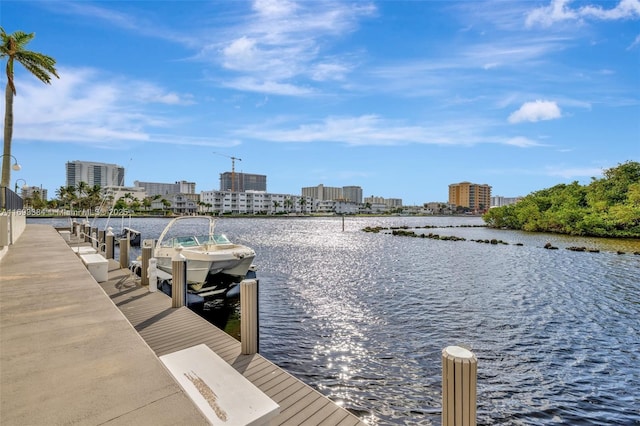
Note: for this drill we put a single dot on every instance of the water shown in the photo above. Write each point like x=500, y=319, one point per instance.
x=363, y=317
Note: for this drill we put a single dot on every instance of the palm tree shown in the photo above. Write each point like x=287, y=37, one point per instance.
x=67, y=194
x=12, y=46
x=288, y=203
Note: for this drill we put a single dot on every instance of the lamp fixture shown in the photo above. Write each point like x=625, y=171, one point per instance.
x=15, y=166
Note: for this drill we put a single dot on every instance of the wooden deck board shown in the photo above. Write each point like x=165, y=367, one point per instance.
x=167, y=330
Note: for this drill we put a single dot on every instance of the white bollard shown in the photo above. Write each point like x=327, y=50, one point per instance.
x=110, y=243
x=459, y=380
x=249, y=325
x=152, y=274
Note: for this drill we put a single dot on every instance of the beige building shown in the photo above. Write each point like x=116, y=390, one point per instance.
x=471, y=195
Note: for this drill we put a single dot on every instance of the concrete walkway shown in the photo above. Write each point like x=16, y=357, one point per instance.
x=67, y=354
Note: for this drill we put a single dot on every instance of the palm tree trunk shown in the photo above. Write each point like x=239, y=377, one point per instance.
x=6, y=153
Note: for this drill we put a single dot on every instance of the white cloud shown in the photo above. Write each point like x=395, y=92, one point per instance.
x=373, y=130
x=522, y=142
x=284, y=40
x=329, y=71
x=626, y=9
x=536, y=111
x=573, y=172
x=251, y=84
x=274, y=8
x=559, y=10
x=85, y=106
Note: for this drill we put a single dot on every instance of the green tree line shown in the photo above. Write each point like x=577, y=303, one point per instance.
x=606, y=207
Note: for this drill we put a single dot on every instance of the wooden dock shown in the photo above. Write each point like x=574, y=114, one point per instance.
x=167, y=330
x=74, y=351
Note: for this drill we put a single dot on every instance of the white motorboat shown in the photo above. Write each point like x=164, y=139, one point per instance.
x=207, y=254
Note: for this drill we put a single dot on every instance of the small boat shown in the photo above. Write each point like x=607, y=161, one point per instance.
x=207, y=254
x=133, y=235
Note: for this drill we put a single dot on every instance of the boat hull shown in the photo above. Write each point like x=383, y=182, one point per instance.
x=206, y=253
x=200, y=265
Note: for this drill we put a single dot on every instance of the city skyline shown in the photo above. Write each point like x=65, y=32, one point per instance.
x=400, y=98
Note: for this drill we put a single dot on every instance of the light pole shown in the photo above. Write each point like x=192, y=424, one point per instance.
x=24, y=187
x=6, y=176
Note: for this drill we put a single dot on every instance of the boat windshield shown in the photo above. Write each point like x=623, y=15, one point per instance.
x=213, y=239
x=194, y=241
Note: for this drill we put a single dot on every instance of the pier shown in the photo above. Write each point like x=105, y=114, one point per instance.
x=73, y=350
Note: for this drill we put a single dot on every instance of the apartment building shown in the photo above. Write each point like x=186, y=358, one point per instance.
x=470, y=195
x=241, y=182
x=499, y=201
x=93, y=173
x=252, y=202
x=158, y=188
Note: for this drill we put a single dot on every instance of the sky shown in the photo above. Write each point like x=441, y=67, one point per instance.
x=401, y=98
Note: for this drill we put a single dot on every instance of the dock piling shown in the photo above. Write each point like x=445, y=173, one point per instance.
x=459, y=379
x=249, y=326
x=124, y=253
x=146, y=256
x=178, y=279
x=101, y=241
x=152, y=274
x=110, y=243
x=94, y=237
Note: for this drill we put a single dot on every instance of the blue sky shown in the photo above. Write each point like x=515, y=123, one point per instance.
x=401, y=98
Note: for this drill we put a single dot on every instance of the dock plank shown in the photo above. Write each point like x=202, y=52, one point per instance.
x=167, y=330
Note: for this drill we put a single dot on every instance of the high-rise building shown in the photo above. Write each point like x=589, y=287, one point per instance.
x=471, y=195
x=330, y=193
x=92, y=173
x=157, y=188
x=352, y=193
x=241, y=182
x=33, y=191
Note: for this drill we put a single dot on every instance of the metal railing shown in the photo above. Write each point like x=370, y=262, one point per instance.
x=11, y=200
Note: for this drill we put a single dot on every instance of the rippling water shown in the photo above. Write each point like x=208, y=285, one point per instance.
x=363, y=317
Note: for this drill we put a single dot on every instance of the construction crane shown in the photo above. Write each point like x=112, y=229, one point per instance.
x=233, y=169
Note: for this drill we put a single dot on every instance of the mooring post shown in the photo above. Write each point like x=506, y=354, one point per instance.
x=459, y=379
x=94, y=237
x=101, y=241
x=110, y=243
x=152, y=274
x=146, y=255
x=124, y=253
x=178, y=279
x=249, y=321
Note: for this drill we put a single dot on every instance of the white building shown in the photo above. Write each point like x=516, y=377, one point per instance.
x=499, y=201
x=158, y=188
x=252, y=202
x=93, y=173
